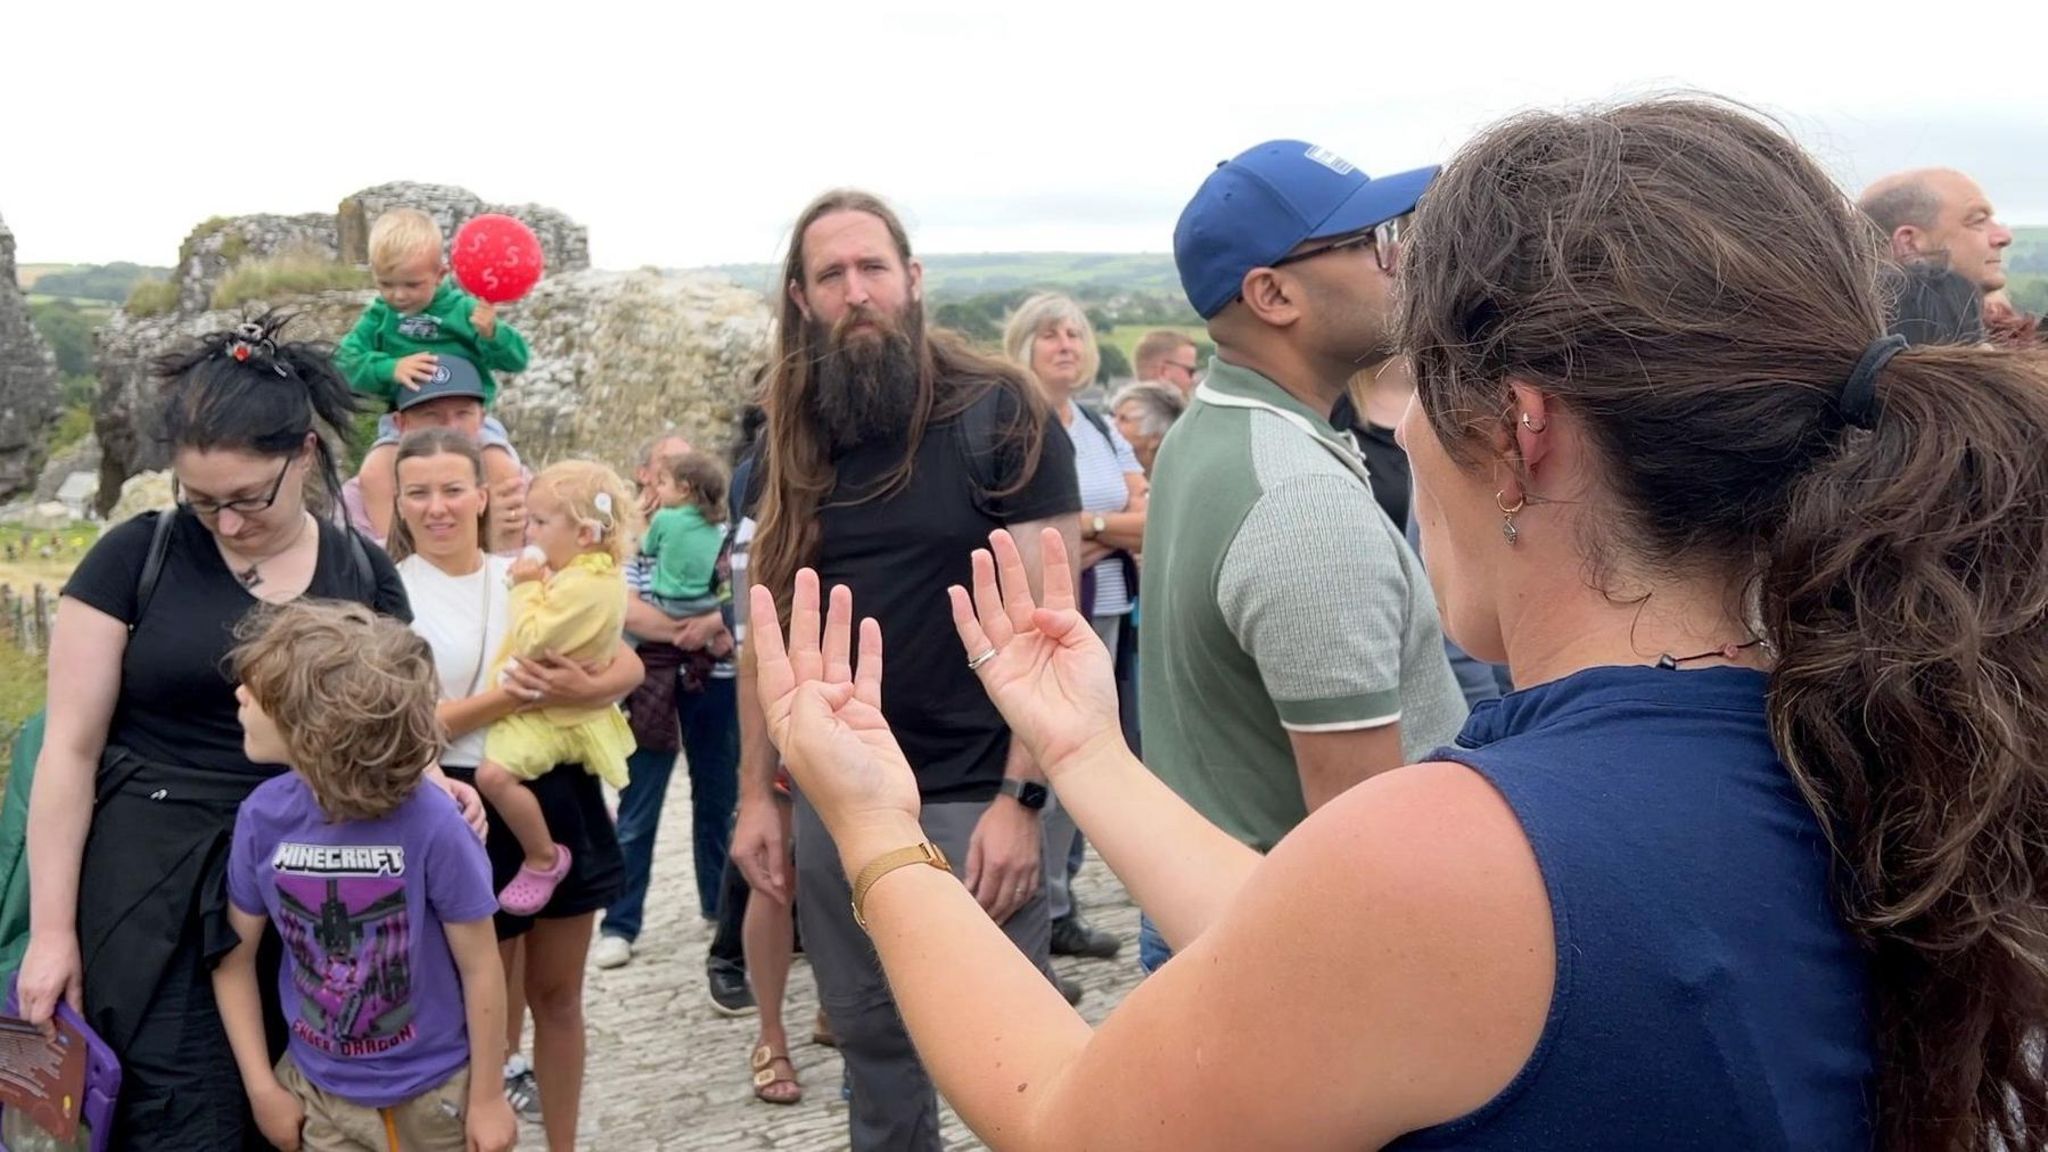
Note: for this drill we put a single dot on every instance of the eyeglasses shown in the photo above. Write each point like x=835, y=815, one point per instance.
x=1384, y=237
x=246, y=506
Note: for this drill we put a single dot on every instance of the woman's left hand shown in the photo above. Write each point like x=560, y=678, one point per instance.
x=466, y=799
x=825, y=719
x=551, y=680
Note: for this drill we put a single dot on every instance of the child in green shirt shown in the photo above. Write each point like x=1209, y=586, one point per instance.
x=420, y=313
x=685, y=536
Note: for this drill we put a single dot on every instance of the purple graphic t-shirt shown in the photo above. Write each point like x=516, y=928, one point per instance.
x=369, y=985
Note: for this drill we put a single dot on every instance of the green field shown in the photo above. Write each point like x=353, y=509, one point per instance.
x=1124, y=337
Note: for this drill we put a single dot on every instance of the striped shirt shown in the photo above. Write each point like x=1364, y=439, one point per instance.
x=1101, y=463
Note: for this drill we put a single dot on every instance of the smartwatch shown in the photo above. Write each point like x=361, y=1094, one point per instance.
x=1030, y=795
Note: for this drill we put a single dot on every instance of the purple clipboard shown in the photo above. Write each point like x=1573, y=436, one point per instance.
x=20, y=1132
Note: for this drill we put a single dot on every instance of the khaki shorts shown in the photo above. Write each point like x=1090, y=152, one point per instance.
x=429, y=1122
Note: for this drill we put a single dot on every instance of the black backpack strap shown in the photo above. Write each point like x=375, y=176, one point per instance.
x=1095, y=418
x=366, y=572
x=153, y=564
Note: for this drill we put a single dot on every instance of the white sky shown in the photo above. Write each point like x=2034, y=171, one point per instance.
x=691, y=134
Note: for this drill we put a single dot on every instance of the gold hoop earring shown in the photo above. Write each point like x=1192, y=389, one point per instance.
x=1507, y=516
x=1532, y=426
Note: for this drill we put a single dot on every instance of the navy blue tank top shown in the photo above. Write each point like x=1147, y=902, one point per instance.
x=1708, y=995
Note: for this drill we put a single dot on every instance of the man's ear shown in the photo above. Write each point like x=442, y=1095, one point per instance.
x=916, y=282
x=796, y=296
x=1272, y=296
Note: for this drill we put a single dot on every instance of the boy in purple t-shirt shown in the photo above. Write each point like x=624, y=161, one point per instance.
x=391, y=980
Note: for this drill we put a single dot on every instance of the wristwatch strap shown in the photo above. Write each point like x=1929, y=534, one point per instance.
x=887, y=862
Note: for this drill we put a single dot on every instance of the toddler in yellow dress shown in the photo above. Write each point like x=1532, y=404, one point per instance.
x=569, y=598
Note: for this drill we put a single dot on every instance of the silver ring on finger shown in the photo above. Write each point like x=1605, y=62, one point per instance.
x=975, y=664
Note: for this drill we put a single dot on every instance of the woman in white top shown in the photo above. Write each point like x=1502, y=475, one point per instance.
x=1050, y=337
x=461, y=608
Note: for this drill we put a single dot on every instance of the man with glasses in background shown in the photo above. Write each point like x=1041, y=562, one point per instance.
x=1169, y=357
x=1291, y=645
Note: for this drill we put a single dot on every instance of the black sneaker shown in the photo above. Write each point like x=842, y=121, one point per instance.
x=1072, y=936
x=730, y=995
x=1071, y=989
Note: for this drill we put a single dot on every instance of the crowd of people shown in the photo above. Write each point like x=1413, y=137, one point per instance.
x=1568, y=670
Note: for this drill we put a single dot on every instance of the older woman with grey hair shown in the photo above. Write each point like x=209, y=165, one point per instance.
x=1049, y=336
x=1144, y=411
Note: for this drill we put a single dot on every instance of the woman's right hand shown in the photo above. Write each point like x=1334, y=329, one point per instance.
x=50, y=969
x=1051, y=676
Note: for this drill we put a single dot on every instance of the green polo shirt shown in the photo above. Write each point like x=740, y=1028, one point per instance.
x=1277, y=596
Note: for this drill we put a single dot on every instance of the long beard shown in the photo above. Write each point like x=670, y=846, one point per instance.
x=865, y=376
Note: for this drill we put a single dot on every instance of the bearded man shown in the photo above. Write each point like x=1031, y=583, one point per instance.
x=890, y=455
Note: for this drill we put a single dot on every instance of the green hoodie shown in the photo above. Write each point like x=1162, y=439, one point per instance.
x=384, y=335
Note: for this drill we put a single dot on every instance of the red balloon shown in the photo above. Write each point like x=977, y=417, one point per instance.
x=496, y=258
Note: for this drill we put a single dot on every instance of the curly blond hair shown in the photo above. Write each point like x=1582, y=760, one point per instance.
x=578, y=484
x=352, y=693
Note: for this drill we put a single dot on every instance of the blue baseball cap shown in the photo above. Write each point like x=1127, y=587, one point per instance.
x=1256, y=208
x=453, y=376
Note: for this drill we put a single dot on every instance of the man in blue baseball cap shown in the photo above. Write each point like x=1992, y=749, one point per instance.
x=1291, y=645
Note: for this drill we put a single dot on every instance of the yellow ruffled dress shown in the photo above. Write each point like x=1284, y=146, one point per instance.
x=580, y=613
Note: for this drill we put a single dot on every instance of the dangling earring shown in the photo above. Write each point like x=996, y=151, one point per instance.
x=1507, y=516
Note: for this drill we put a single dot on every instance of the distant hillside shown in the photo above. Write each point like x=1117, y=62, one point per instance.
x=106, y=282
x=2029, y=251
x=961, y=274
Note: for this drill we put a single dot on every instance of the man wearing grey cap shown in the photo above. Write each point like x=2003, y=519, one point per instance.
x=1291, y=646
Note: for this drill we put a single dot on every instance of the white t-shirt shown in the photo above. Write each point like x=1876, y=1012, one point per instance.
x=464, y=619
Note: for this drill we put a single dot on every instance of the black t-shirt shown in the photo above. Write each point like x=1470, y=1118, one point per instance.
x=1385, y=463
x=177, y=698
x=899, y=554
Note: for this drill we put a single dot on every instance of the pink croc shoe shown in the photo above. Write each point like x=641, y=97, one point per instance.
x=530, y=890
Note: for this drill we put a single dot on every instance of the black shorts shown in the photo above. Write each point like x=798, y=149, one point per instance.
x=572, y=800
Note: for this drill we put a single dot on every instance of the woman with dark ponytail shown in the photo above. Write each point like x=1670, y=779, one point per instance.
x=142, y=766
x=1756, y=854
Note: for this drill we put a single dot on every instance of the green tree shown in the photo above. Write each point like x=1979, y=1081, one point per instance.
x=971, y=318
x=1114, y=366
x=2029, y=293
x=68, y=330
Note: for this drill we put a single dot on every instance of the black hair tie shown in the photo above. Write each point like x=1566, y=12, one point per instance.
x=1857, y=401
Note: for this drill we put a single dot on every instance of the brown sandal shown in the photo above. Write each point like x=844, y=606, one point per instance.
x=763, y=1062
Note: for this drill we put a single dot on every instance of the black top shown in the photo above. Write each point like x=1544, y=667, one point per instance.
x=177, y=700
x=1385, y=463
x=900, y=553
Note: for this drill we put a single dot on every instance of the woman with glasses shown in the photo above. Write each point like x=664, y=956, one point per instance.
x=142, y=765
x=1050, y=337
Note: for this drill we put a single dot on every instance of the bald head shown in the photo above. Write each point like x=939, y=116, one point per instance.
x=1940, y=214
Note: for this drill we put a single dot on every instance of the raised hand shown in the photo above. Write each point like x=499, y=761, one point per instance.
x=1050, y=675
x=826, y=718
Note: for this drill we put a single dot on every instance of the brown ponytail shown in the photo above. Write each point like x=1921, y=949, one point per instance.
x=1688, y=283
x=1907, y=595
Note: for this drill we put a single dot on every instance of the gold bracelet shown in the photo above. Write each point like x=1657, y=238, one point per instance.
x=887, y=862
